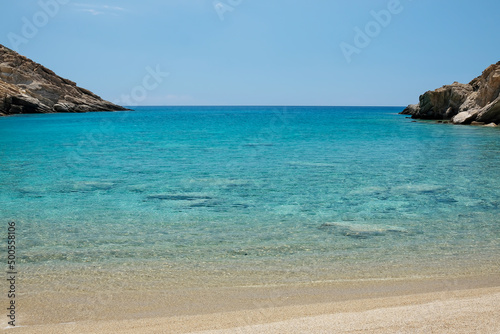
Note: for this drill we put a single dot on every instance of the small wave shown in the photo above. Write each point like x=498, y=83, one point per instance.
x=179, y=197
x=311, y=164
x=258, y=144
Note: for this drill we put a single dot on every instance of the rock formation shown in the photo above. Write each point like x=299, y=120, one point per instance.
x=477, y=102
x=27, y=87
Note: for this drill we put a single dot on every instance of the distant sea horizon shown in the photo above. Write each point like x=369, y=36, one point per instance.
x=267, y=105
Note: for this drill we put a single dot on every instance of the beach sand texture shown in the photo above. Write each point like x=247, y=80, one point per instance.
x=379, y=308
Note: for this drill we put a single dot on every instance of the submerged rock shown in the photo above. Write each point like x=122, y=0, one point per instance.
x=27, y=87
x=360, y=231
x=477, y=101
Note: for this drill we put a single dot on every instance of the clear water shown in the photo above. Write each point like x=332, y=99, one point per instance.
x=251, y=194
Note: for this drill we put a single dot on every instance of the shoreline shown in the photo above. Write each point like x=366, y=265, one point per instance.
x=214, y=310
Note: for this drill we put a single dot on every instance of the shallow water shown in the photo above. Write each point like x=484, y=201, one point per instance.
x=250, y=194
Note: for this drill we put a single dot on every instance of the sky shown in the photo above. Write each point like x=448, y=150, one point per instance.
x=257, y=52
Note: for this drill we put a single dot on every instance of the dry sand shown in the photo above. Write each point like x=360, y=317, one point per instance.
x=416, y=306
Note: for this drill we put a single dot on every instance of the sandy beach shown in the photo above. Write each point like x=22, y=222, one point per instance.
x=465, y=305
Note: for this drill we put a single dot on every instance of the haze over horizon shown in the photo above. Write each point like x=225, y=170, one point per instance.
x=238, y=52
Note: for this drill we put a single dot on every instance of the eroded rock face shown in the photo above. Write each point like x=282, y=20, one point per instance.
x=28, y=87
x=477, y=101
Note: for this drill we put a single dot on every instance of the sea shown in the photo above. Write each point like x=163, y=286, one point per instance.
x=245, y=196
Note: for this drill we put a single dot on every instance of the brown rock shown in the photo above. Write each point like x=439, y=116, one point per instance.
x=28, y=87
x=477, y=101
x=463, y=118
x=444, y=102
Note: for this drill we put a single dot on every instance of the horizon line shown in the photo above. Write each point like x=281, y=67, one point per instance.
x=265, y=105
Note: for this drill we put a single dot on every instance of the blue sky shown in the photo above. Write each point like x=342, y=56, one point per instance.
x=256, y=52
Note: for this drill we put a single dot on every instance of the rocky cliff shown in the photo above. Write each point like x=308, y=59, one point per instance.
x=27, y=87
x=477, y=102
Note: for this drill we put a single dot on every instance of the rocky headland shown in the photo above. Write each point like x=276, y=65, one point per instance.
x=27, y=87
x=476, y=103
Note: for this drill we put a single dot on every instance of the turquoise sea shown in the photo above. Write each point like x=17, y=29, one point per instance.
x=250, y=195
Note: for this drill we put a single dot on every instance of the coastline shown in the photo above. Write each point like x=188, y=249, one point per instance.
x=375, y=305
